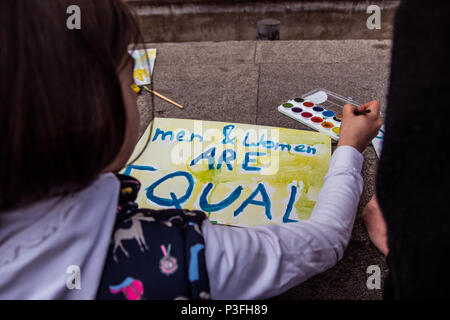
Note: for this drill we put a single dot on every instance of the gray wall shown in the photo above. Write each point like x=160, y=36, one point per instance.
x=208, y=20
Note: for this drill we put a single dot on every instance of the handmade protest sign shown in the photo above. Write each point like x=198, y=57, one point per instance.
x=239, y=174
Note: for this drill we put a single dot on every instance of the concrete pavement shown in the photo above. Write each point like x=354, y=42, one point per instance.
x=245, y=81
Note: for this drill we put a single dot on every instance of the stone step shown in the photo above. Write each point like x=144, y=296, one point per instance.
x=208, y=20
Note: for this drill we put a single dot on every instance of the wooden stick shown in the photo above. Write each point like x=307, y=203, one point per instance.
x=163, y=97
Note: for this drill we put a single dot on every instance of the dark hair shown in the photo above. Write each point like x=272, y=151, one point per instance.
x=62, y=116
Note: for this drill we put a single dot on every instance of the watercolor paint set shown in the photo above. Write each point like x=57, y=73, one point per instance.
x=321, y=110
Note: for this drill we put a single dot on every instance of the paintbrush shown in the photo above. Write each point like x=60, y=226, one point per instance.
x=159, y=95
x=357, y=113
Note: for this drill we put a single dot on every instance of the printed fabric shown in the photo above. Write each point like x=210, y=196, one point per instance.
x=157, y=255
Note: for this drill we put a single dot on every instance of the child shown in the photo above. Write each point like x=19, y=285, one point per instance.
x=69, y=120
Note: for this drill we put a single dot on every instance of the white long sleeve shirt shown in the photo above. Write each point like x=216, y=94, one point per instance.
x=262, y=262
x=39, y=243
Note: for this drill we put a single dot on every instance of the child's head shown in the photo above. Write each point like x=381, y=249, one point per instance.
x=67, y=112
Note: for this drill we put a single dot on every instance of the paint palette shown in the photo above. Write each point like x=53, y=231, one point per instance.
x=319, y=109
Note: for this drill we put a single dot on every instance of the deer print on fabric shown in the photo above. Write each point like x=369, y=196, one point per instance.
x=134, y=232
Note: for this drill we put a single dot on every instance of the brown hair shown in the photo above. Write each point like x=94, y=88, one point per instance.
x=62, y=116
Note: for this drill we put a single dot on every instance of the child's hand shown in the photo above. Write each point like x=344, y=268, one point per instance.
x=358, y=131
x=376, y=226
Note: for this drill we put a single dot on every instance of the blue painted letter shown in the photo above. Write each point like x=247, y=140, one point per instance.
x=226, y=134
x=228, y=155
x=247, y=160
x=163, y=134
x=205, y=206
x=250, y=200
x=173, y=201
x=209, y=155
x=290, y=205
x=136, y=167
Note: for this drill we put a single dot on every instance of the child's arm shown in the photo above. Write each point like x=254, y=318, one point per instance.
x=262, y=262
x=376, y=226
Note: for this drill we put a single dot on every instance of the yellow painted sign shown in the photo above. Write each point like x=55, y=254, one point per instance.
x=239, y=174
